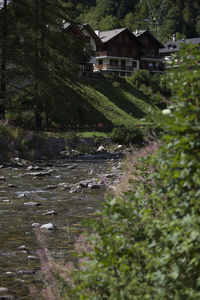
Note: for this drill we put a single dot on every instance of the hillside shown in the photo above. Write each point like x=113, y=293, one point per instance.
x=109, y=101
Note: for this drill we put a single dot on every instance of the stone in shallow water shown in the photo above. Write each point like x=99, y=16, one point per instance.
x=3, y=290
x=50, y=213
x=23, y=247
x=50, y=187
x=48, y=226
x=32, y=257
x=12, y=185
x=25, y=272
x=94, y=186
x=2, y=178
x=6, y=201
x=36, y=225
x=6, y=297
x=32, y=203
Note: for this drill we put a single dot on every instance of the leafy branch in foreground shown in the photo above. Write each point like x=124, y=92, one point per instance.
x=147, y=244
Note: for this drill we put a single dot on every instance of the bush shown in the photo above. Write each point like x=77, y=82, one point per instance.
x=126, y=136
x=147, y=243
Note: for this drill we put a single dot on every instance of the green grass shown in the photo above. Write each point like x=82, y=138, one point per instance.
x=109, y=101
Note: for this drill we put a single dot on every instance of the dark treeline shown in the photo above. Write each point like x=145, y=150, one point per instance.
x=163, y=17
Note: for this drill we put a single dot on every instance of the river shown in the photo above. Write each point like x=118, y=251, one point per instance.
x=45, y=192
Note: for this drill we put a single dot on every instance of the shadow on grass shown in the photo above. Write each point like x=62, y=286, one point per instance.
x=116, y=95
x=77, y=110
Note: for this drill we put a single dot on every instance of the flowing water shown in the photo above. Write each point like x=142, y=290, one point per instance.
x=18, y=185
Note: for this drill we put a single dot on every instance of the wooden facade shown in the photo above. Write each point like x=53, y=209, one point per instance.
x=120, y=52
x=151, y=60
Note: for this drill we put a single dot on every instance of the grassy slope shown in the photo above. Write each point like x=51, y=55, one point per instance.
x=107, y=101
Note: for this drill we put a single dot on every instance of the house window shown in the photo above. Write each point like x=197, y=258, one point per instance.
x=134, y=64
x=150, y=65
x=113, y=62
x=100, y=62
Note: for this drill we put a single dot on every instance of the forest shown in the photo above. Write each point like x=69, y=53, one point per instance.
x=163, y=17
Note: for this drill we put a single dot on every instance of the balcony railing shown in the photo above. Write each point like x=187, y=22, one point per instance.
x=109, y=67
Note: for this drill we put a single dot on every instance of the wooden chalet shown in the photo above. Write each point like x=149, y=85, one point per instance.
x=119, y=53
x=89, y=41
x=151, y=60
x=94, y=41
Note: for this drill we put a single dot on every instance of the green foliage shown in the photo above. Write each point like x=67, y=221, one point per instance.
x=146, y=245
x=127, y=135
x=180, y=17
x=153, y=86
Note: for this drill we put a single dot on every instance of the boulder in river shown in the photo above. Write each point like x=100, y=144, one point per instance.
x=48, y=226
x=3, y=290
x=36, y=225
x=101, y=149
x=51, y=187
x=31, y=204
x=50, y=213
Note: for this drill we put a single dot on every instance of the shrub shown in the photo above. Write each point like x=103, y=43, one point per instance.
x=124, y=135
x=147, y=243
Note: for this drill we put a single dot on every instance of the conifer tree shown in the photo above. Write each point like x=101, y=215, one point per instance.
x=44, y=57
x=3, y=60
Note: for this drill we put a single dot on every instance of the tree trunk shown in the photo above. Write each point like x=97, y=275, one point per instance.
x=38, y=105
x=3, y=62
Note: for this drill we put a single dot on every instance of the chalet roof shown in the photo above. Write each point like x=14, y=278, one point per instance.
x=91, y=32
x=105, y=36
x=139, y=33
x=70, y=26
x=66, y=25
x=174, y=46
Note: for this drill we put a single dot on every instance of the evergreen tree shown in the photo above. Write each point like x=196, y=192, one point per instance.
x=47, y=53
x=3, y=53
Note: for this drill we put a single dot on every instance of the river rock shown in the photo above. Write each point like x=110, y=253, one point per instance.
x=50, y=213
x=75, y=189
x=94, y=186
x=6, y=297
x=119, y=147
x=6, y=201
x=40, y=174
x=34, y=168
x=64, y=185
x=23, y=247
x=19, y=162
x=36, y=225
x=12, y=185
x=31, y=204
x=32, y=257
x=22, y=195
x=25, y=272
x=2, y=178
x=51, y=187
x=101, y=149
x=3, y=290
x=48, y=226
x=72, y=166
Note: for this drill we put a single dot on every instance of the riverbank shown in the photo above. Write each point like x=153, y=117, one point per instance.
x=30, y=145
